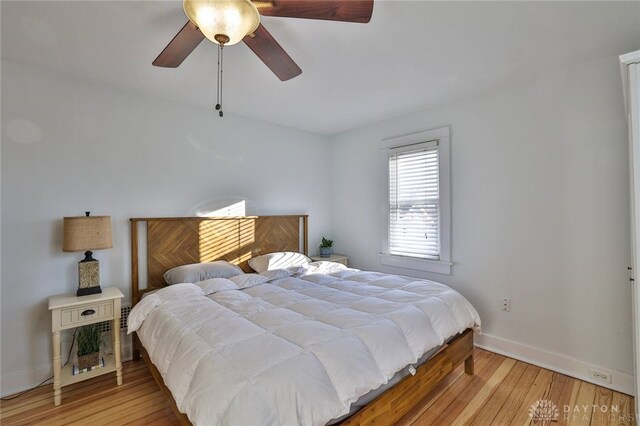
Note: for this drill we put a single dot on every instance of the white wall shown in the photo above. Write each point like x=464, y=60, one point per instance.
x=540, y=213
x=539, y=189
x=70, y=146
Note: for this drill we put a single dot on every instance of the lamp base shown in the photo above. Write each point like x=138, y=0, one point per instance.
x=88, y=290
x=88, y=276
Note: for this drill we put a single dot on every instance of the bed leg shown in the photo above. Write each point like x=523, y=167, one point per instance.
x=135, y=355
x=468, y=364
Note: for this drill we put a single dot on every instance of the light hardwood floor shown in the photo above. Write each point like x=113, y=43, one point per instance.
x=500, y=393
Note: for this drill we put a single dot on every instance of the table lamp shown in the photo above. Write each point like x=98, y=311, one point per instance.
x=86, y=233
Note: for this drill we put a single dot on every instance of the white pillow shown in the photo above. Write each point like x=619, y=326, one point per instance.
x=278, y=260
x=249, y=280
x=214, y=285
x=201, y=271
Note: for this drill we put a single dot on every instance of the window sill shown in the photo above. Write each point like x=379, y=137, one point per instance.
x=436, y=266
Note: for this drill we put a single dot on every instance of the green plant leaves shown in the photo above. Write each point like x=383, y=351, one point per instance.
x=89, y=338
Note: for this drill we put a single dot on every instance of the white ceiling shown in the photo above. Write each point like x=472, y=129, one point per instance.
x=412, y=55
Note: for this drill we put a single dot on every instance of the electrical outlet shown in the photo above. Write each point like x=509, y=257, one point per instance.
x=600, y=375
x=506, y=304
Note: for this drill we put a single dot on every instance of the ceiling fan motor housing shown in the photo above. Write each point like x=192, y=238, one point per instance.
x=221, y=38
x=223, y=21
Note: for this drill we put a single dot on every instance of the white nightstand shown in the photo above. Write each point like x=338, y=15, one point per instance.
x=70, y=311
x=333, y=258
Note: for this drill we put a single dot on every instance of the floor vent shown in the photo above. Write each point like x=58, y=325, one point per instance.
x=124, y=320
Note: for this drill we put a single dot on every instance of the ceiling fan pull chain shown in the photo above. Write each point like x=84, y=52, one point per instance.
x=221, y=69
x=218, y=81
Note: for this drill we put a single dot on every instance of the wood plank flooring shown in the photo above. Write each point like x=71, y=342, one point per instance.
x=500, y=393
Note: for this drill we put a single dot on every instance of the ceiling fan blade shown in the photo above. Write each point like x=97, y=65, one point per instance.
x=330, y=10
x=272, y=54
x=180, y=47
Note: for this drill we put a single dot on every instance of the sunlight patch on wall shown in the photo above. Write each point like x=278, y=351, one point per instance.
x=222, y=206
x=237, y=209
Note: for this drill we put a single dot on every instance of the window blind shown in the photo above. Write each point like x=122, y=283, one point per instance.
x=414, y=211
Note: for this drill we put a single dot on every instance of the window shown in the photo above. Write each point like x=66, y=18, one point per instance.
x=418, y=233
x=414, y=213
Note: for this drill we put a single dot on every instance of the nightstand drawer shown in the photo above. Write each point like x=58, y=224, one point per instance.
x=344, y=261
x=86, y=313
x=338, y=258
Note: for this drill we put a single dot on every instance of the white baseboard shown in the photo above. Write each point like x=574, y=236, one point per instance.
x=21, y=380
x=26, y=379
x=621, y=382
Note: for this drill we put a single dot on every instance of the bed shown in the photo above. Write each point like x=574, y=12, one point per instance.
x=309, y=347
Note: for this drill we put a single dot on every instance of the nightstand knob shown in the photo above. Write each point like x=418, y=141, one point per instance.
x=88, y=312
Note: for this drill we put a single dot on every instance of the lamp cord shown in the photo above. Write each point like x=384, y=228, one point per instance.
x=14, y=396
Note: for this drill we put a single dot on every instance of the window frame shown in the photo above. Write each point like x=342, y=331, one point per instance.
x=444, y=264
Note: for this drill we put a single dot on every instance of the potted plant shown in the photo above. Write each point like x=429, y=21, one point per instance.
x=89, y=338
x=326, y=247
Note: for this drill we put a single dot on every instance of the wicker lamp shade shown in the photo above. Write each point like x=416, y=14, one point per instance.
x=84, y=233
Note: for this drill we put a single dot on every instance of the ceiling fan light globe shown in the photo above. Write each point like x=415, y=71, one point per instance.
x=232, y=18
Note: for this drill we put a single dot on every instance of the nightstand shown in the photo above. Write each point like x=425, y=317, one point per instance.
x=69, y=311
x=333, y=258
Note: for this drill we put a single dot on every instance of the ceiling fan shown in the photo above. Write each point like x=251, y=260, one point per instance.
x=227, y=22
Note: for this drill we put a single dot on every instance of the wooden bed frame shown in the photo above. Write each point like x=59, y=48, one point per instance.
x=178, y=241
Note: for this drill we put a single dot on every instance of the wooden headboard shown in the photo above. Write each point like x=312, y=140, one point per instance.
x=175, y=241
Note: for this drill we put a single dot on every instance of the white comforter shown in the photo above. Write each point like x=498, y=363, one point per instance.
x=293, y=350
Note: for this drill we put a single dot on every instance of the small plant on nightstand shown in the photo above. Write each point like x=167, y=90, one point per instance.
x=89, y=339
x=326, y=247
